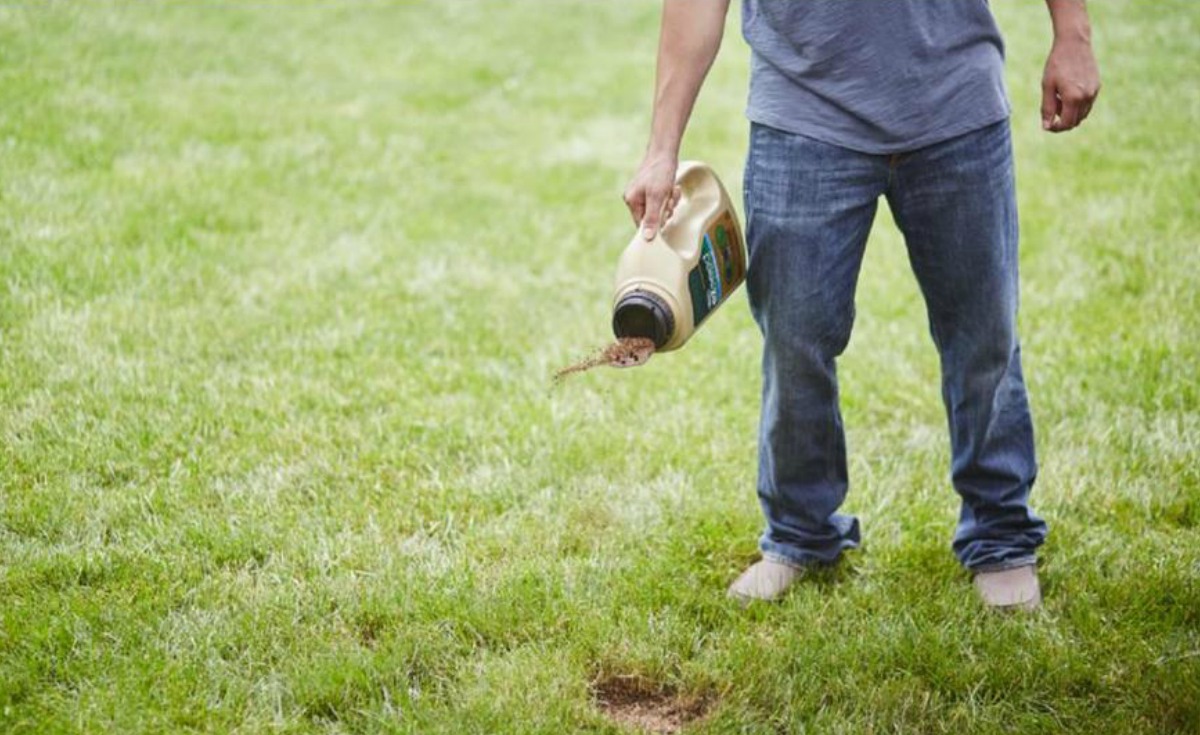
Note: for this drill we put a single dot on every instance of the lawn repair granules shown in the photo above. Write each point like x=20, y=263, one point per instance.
x=625, y=352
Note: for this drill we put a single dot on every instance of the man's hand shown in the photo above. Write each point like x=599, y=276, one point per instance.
x=1072, y=80
x=652, y=195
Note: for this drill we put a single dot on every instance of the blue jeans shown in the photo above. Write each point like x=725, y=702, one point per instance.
x=809, y=209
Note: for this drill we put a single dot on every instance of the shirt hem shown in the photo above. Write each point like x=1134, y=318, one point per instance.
x=823, y=135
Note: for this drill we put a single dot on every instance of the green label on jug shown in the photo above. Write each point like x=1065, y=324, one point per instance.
x=731, y=256
x=704, y=283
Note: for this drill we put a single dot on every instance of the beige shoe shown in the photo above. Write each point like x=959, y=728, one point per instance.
x=1010, y=589
x=765, y=580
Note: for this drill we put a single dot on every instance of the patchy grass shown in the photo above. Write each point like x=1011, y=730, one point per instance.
x=281, y=291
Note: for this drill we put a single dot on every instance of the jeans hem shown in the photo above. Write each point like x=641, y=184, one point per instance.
x=781, y=559
x=800, y=559
x=1003, y=566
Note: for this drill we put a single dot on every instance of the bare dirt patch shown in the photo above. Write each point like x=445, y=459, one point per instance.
x=641, y=705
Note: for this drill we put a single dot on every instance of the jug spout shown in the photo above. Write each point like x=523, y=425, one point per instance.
x=641, y=313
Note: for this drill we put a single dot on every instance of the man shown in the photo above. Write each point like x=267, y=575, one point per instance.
x=851, y=100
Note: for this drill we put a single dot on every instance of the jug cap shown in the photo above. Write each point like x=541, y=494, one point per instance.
x=643, y=314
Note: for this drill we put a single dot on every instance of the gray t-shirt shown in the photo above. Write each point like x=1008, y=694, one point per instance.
x=878, y=76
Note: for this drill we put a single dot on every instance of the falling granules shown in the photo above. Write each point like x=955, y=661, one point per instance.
x=625, y=352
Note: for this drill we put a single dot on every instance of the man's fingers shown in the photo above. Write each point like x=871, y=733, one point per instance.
x=651, y=202
x=672, y=202
x=1057, y=125
x=1088, y=104
x=653, y=214
x=1066, y=120
x=1049, y=105
x=1072, y=107
x=636, y=201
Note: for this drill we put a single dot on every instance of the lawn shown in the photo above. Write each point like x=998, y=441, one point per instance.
x=282, y=287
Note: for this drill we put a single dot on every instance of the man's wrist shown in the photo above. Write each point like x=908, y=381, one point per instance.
x=1074, y=34
x=662, y=152
x=1070, y=20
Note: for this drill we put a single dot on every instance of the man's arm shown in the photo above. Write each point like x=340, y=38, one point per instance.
x=688, y=44
x=1072, y=80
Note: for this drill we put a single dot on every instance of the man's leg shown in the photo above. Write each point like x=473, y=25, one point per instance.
x=809, y=209
x=956, y=205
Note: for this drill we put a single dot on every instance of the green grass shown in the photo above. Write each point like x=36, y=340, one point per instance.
x=281, y=289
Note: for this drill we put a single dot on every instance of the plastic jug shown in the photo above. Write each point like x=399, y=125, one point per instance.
x=668, y=286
